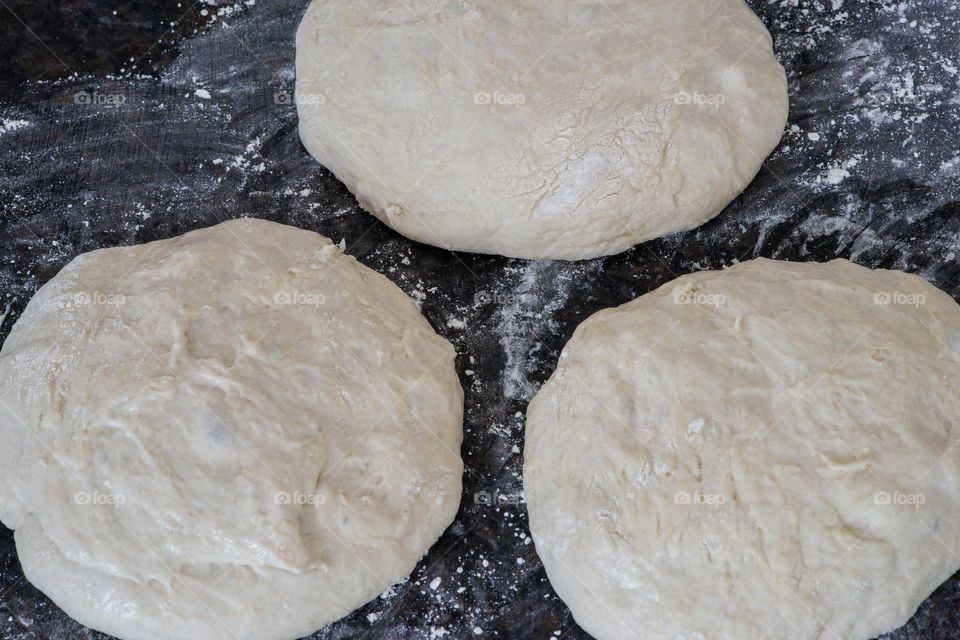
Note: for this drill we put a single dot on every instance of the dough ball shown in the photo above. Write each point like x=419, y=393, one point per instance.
x=239, y=433
x=768, y=451
x=539, y=129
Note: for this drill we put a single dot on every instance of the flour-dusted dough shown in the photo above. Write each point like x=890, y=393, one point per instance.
x=764, y=452
x=238, y=434
x=539, y=129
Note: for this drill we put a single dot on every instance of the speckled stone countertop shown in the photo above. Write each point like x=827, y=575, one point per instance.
x=122, y=123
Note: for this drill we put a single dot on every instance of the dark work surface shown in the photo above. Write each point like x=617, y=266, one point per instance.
x=105, y=141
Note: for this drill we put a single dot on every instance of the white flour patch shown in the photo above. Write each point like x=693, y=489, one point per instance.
x=837, y=173
x=695, y=428
x=7, y=125
x=543, y=288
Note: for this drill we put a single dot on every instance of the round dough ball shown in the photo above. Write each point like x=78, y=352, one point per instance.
x=238, y=433
x=768, y=451
x=539, y=129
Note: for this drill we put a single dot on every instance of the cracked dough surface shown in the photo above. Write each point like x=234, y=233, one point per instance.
x=239, y=433
x=766, y=451
x=539, y=129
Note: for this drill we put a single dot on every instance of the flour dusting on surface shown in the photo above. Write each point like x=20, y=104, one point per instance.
x=868, y=169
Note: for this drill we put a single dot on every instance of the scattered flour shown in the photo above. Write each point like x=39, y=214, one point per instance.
x=7, y=125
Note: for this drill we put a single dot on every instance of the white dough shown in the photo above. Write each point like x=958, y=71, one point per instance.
x=538, y=128
x=238, y=434
x=768, y=451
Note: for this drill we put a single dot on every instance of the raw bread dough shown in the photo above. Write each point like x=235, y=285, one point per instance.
x=539, y=129
x=239, y=434
x=764, y=452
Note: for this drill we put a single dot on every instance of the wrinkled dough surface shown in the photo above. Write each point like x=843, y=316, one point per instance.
x=237, y=433
x=539, y=129
x=766, y=451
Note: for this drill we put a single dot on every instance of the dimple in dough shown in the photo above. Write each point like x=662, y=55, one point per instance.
x=539, y=129
x=768, y=451
x=239, y=433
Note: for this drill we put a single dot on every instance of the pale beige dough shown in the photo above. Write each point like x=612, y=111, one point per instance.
x=239, y=433
x=539, y=129
x=768, y=451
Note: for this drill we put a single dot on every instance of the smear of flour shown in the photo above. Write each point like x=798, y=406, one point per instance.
x=12, y=125
x=837, y=173
x=527, y=316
